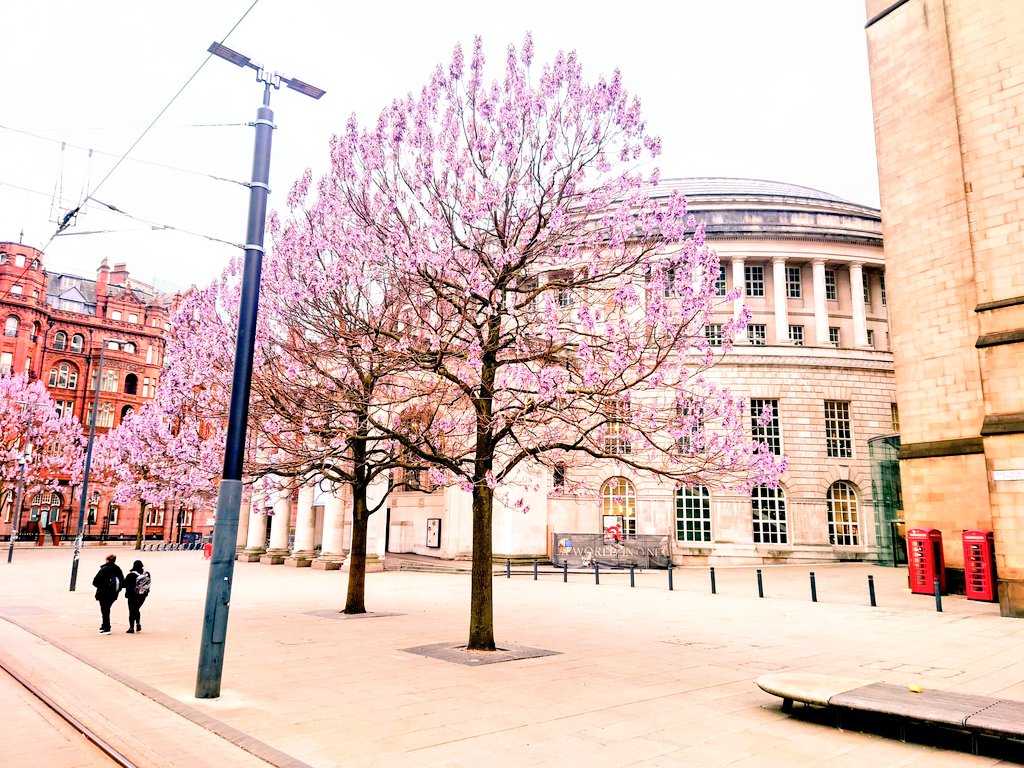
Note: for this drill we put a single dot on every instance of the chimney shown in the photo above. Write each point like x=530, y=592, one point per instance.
x=120, y=274
x=102, y=279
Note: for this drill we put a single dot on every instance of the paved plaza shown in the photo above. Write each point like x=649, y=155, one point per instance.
x=638, y=676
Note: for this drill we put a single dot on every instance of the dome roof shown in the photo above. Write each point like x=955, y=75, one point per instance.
x=724, y=186
x=732, y=208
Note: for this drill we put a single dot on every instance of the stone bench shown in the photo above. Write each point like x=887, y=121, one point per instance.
x=971, y=714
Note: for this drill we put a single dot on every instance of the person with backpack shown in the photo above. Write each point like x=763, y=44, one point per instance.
x=136, y=589
x=108, y=582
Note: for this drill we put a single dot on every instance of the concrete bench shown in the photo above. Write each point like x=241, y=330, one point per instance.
x=974, y=715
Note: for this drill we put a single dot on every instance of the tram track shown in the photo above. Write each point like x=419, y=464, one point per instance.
x=114, y=756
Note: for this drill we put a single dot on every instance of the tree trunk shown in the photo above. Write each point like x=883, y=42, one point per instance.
x=142, y=519
x=481, y=604
x=355, y=600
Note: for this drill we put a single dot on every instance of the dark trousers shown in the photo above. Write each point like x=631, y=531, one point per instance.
x=134, y=608
x=105, y=603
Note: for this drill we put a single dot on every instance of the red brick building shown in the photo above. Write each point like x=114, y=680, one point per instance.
x=55, y=325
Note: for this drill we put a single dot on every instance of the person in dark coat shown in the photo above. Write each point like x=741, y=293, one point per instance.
x=108, y=582
x=135, y=600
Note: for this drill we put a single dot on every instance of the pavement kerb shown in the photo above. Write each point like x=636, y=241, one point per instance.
x=230, y=734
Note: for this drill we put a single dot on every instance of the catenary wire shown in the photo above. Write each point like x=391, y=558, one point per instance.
x=131, y=159
x=70, y=214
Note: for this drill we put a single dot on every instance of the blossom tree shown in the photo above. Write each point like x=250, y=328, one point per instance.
x=329, y=369
x=552, y=309
x=134, y=460
x=321, y=364
x=28, y=417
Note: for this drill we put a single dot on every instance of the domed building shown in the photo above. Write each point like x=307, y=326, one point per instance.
x=810, y=267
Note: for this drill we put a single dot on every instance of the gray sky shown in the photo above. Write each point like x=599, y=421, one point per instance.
x=767, y=90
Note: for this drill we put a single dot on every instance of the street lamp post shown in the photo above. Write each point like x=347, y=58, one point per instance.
x=229, y=492
x=88, y=461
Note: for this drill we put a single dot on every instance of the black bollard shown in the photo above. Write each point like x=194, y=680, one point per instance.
x=669, y=575
x=871, y=590
x=760, y=584
x=565, y=571
x=534, y=570
x=508, y=567
x=713, y=590
x=597, y=576
x=814, y=589
x=632, y=583
x=938, y=597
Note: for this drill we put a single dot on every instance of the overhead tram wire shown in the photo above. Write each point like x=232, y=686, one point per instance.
x=65, y=222
x=151, y=226
x=135, y=159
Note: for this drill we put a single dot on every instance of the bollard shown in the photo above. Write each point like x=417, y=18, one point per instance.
x=534, y=570
x=508, y=567
x=565, y=571
x=760, y=584
x=938, y=597
x=597, y=576
x=814, y=589
x=632, y=583
x=669, y=575
x=713, y=591
x=871, y=590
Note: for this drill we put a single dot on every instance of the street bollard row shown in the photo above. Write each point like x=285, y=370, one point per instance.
x=170, y=547
x=872, y=601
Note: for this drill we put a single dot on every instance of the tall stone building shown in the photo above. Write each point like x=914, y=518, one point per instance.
x=947, y=80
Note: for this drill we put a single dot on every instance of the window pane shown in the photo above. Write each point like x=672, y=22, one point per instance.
x=838, y=435
x=768, y=432
x=843, y=520
x=794, y=285
x=754, y=280
x=768, y=507
x=693, y=514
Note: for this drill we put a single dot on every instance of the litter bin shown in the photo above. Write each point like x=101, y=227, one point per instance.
x=925, y=561
x=979, y=566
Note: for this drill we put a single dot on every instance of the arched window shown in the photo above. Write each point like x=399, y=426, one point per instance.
x=768, y=506
x=843, y=519
x=126, y=411
x=11, y=326
x=693, y=514
x=131, y=384
x=106, y=415
x=77, y=342
x=35, y=331
x=618, y=506
x=60, y=340
x=63, y=377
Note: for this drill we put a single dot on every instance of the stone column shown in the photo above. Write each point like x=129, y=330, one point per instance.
x=280, y=525
x=256, y=533
x=332, y=551
x=820, y=308
x=739, y=282
x=305, y=528
x=860, y=323
x=243, y=524
x=781, y=307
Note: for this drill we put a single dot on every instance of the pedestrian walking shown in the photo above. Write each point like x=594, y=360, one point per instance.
x=136, y=589
x=108, y=582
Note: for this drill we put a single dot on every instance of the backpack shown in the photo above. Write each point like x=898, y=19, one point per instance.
x=142, y=582
x=109, y=584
